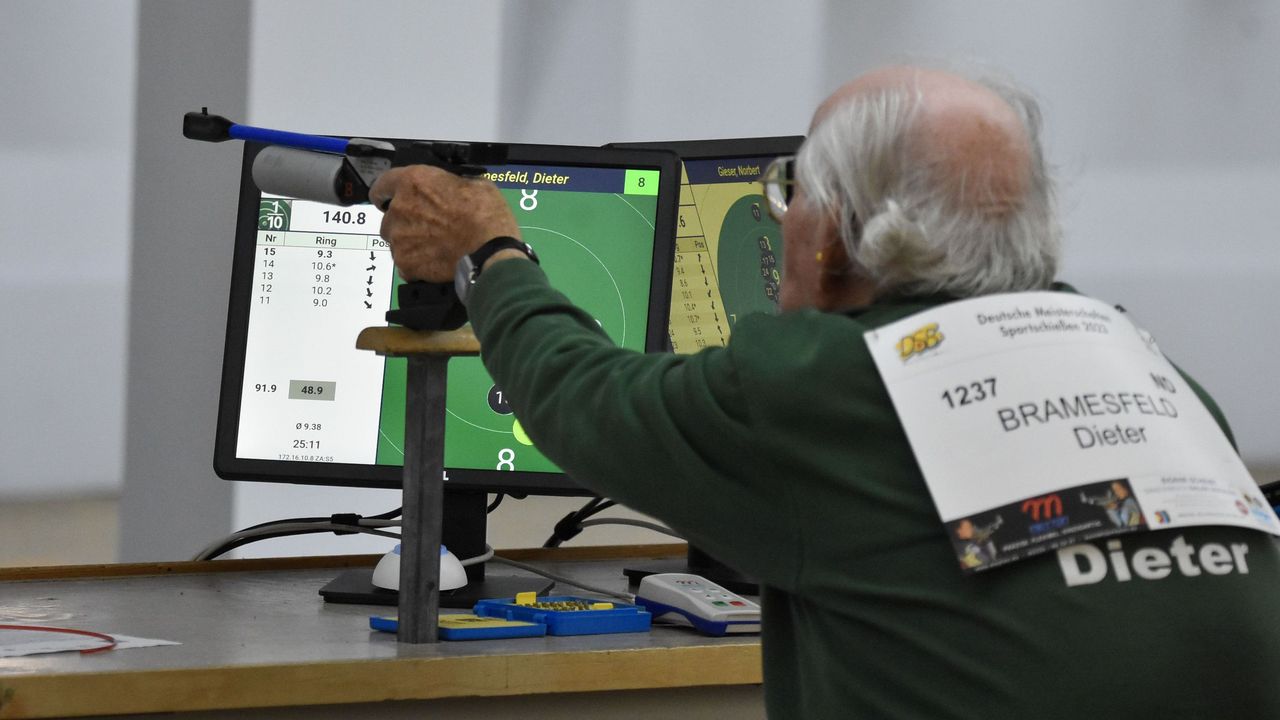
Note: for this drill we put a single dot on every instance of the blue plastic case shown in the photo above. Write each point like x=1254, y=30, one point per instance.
x=568, y=615
x=459, y=626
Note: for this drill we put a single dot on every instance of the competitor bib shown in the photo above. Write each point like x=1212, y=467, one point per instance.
x=1042, y=419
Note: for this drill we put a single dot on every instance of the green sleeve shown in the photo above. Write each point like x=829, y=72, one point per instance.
x=667, y=435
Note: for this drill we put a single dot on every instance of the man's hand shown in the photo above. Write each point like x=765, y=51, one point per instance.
x=436, y=217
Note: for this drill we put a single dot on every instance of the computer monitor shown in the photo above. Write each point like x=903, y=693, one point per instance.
x=300, y=404
x=728, y=249
x=728, y=263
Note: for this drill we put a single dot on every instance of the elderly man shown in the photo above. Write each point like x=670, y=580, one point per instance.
x=783, y=455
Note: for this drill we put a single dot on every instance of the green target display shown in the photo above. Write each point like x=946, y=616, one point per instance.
x=596, y=247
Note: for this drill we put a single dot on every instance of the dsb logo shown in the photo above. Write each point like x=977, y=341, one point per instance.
x=1043, y=508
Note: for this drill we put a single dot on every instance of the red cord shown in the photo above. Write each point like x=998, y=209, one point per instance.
x=111, y=642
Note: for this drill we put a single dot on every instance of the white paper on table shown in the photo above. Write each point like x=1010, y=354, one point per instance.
x=17, y=643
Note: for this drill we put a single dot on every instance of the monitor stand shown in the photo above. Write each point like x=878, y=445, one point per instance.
x=697, y=562
x=464, y=535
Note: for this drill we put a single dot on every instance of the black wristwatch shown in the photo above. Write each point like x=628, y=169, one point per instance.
x=469, y=267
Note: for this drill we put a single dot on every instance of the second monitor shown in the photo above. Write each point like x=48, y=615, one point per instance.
x=728, y=263
x=728, y=249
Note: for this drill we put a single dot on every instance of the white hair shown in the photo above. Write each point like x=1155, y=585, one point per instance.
x=904, y=222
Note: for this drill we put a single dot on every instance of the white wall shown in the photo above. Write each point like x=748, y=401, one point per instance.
x=590, y=73
x=66, y=130
x=1160, y=117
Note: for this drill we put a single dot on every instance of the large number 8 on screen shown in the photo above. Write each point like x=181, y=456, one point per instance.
x=506, y=459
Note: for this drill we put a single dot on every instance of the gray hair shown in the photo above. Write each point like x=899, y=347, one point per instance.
x=912, y=233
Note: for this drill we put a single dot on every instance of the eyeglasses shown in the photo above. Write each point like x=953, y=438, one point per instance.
x=779, y=181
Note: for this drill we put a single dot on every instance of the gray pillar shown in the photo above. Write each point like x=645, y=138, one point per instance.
x=423, y=498
x=185, y=193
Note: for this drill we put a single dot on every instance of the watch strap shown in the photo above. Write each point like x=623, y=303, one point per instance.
x=469, y=267
x=493, y=247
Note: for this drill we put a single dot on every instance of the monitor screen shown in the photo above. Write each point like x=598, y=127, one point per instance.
x=728, y=249
x=300, y=404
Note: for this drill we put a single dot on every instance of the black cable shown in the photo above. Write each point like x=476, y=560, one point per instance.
x=602, y=507
x=236, y=542
x=352, y=520
x=390, y=514
x=570, y=525
x=233, y=544
x=567, y=526
x=269, y=523
x=494, y=505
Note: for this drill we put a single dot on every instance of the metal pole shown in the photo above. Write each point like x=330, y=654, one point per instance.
x=423, y=513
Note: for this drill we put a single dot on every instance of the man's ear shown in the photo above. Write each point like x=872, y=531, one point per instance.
x=830, y=249
x=833, y=259
x=841, y=284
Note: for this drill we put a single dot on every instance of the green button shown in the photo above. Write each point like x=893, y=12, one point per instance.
x=641, y=182
x=720, y=603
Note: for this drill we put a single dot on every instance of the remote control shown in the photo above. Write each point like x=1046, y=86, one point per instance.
x=695, y=600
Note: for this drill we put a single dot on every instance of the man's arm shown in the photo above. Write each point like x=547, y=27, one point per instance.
x=667, y=435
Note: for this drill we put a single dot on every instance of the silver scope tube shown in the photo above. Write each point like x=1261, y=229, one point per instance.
x=298, y=174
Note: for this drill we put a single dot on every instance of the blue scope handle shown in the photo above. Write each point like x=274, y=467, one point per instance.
x=215, y=128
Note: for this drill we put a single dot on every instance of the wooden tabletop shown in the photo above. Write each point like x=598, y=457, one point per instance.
x=256, y=634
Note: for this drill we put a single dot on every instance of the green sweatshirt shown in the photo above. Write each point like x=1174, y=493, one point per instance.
x=781, y=455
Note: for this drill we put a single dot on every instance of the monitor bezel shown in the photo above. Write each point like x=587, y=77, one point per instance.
x=230, y=467
x=718, y=149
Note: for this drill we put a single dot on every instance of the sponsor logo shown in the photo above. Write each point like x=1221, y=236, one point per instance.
x=1258, y=507
x=1042, y=508
x=1162, y=517
x=919, y=342
x=1045, y=513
